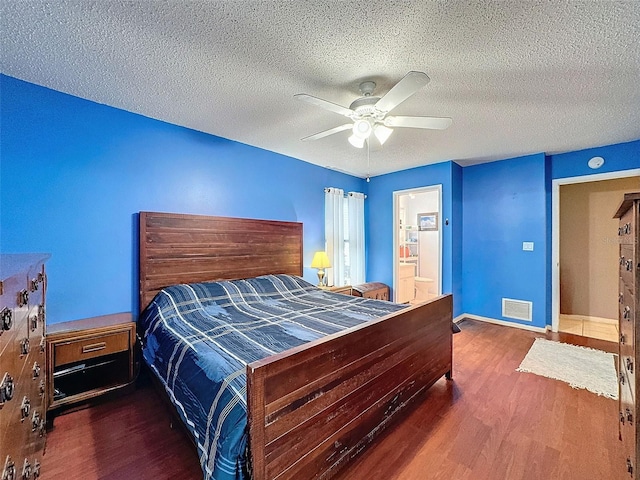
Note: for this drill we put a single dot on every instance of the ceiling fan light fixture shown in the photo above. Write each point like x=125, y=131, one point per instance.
x=382, y=133
x=362, y=128
x=356, y=141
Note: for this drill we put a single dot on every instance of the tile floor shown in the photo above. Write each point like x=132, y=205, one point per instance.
x=602, y=329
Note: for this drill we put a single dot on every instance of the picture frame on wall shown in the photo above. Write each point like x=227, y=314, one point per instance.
x=428, y=221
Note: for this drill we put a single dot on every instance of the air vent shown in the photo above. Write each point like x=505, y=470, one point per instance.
x=518, y=309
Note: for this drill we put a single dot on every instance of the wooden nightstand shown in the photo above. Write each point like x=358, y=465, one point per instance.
x=345, y=289
x=88, y=358
x=376, y=290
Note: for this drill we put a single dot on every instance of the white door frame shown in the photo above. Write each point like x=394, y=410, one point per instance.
x=396, y=245
x=555, y=231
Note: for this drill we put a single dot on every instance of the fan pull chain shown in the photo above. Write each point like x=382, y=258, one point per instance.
x=368, y=161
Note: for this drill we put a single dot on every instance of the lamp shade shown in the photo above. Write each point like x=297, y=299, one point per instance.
x=320, y=260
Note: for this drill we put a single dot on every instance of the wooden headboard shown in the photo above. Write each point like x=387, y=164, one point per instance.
x=178, y=248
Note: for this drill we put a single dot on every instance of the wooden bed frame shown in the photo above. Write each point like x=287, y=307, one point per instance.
x=314, y=408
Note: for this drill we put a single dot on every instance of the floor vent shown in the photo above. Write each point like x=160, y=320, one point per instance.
x=518, y=309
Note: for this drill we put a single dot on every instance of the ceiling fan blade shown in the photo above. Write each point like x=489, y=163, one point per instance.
x=435, y=123
x=410, y=84
x=332, y=107
x=331, y=131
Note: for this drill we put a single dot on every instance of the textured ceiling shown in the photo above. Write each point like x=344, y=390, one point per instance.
x=517, y=77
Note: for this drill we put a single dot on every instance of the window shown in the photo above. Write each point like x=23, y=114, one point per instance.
x=344, y=236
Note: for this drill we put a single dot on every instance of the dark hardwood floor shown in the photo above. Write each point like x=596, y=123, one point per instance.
x=490, y=422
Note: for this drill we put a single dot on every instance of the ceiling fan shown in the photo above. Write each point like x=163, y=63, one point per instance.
x=369, y=113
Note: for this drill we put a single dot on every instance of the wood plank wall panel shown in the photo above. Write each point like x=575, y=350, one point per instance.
x=325, y=403
x=181, y=248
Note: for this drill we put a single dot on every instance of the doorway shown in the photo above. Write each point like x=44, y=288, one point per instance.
x=417, y=244
x=585, y=252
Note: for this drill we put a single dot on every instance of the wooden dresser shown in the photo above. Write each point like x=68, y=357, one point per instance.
x=629, y=327
x=22, y=364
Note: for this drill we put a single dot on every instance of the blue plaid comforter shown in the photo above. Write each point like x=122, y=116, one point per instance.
x=198, y=339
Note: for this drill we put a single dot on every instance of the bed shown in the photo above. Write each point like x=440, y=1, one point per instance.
x=300, y=405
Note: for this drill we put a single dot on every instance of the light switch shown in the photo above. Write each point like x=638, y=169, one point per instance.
x=527, y=246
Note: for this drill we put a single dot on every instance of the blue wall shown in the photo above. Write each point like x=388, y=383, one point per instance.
x=380, y=222
x=621, y=156
x=505, y=204
x=75, y=173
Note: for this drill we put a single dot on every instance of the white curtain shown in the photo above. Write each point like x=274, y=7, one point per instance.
x=334, y=234
x=356, y=236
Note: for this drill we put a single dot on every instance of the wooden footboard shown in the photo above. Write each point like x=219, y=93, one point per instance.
x=313, y=408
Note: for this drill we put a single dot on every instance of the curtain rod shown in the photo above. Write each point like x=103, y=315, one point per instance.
x=326, y=189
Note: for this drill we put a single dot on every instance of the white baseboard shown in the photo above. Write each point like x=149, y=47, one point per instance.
x=504, y=323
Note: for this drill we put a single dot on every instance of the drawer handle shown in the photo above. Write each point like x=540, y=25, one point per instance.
x=23, y=298
x=94, y=347
x=7, y=319
x=25, y=408
x=9, y=471
x=26, y=470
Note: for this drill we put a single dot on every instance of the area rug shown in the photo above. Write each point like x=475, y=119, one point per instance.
x=580, y=367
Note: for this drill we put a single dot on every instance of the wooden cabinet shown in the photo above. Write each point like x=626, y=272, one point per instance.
x=88, y=358
x=376, y=290
x=22, y=364
x=406, y=283
x=629, y=327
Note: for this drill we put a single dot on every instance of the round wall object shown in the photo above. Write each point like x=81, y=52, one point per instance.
x=596, y=162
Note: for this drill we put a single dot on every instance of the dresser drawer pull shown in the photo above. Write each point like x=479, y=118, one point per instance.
x=35, y=420
x=622, y=418
x=23, y=298
x=7, y=319
x=629, y=365
x=24, y=346
x=36, y=469
x=621, y=379
x=6, y=388
x=622, y=339
x=629, y=415
x=26, y=470
x=25, y=408
x=94, y=347
x=9, y=471
x=626, y=312
x=629, y=467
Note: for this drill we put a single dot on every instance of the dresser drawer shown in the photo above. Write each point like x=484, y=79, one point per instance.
x=95, y=346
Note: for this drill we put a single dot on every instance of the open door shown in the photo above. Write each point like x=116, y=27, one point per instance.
x=417, y=244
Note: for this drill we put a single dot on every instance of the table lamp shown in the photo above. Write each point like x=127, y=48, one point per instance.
x=320, y=261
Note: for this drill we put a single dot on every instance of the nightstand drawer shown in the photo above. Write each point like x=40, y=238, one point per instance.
x=96, y=346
